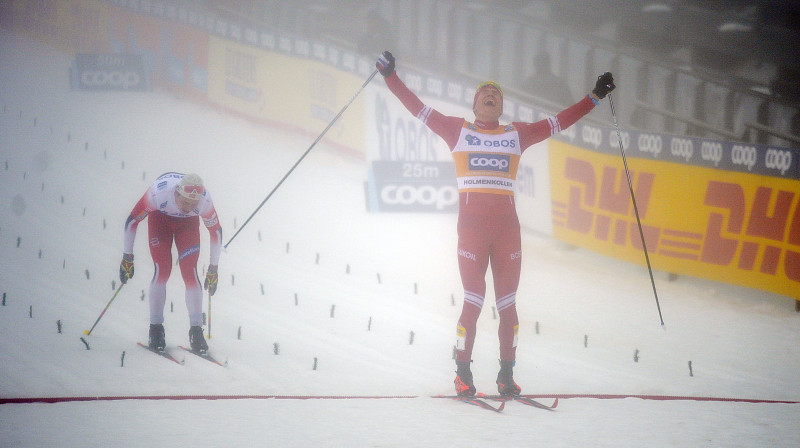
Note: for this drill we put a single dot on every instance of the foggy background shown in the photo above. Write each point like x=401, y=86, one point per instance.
x=75, y=162
x=715, y=69
x=336, y=323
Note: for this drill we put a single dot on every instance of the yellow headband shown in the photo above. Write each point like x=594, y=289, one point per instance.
x=486, y=84
x=489, y=83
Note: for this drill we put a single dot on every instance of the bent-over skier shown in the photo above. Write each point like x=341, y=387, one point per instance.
x=174, y=204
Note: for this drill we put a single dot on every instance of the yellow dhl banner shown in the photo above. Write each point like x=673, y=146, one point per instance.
x=270, y=86
x=732, y=227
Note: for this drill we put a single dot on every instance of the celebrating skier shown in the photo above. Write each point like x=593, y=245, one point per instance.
x=486, y=156
x=174, y=204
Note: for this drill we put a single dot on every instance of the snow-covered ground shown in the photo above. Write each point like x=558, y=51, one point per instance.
x=370, y=299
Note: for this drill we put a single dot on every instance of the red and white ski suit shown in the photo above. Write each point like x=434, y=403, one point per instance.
x=166, y=224
x=487, y=156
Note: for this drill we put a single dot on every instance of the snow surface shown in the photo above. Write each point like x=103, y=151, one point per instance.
x=323, y=281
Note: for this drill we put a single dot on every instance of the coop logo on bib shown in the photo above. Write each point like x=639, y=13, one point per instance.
x=489, y=162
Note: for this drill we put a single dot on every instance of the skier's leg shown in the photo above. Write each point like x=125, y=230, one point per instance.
x=187, y=240
x=160, y=235
x=506, y=262
x=506, y=268
x=473, y=260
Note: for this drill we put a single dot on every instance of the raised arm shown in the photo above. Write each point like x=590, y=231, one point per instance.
x=531, y=133
x=444, y=126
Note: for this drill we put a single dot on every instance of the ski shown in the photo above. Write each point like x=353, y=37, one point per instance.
x=163, y=353
x=205, y=356
x=475, y=401
x=522, y=399
x=483, y=404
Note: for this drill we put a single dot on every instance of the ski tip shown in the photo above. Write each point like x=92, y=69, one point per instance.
x=555, y=404
x=502, y=406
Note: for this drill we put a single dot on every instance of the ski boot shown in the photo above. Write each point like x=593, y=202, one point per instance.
x=505, y=380
x=197, y=340
x=157, y=341
x=463, y=381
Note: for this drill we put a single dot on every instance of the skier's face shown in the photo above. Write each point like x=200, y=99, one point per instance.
x=185, y=205
x=488, y=103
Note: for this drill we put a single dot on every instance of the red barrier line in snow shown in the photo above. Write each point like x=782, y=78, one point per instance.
x=29, y=400
x=342, y=397
x=662, y=398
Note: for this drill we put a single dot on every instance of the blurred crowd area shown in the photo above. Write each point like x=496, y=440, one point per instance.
x=714, y=69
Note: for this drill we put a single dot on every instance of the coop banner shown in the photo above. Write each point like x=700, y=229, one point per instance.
x=109, y=72
x=727, y=226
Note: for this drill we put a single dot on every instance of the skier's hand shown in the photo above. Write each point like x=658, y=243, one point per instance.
x=385, y=64
x=211, y=280
x=604, y=85
x=126, y=268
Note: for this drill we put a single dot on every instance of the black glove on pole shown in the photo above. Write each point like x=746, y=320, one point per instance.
x=126, y=268
x=604, y=85
x=385, y=64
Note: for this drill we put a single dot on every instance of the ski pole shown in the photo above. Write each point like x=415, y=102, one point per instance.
x=635, y=209
x=209, y=316
x=375, y=72
x=89, y=331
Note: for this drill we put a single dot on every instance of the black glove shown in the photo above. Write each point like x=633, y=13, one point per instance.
x=604, y=85
x=385, y=64
x=126, y=268
x=211, y=280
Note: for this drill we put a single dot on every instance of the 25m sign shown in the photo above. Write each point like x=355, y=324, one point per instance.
x=412, y=187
